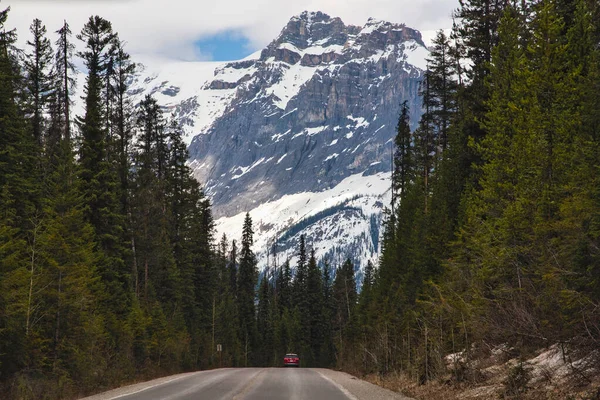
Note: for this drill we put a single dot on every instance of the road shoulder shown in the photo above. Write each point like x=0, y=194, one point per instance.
x=357, y=388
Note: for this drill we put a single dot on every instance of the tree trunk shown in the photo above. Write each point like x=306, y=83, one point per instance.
x=57, y=328
x=36, y=226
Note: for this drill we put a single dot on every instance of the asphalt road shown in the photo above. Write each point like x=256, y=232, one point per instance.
x=254, y=384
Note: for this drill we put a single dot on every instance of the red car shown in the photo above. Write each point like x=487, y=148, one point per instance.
x=291, y=360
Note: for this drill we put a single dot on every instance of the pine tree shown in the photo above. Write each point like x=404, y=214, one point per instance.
x=365, y=313
x=233, y=268
x=247, y=277
x=227, y=330
x=477, y=35
x=123, y=70
x=98, y=179
x=426, y=140
x=299, y=285
x=150, y=217
x=191, y=225
x=344, y=296
x=38, y=81
x=65, y=75
x=328, y=349
x=478, y=29
x=18, y=150
x=314, y=289
x=264, y=321
x=284, y=286
x=512, y=220
x=68, y=255
x=301, y=303
x=403, y=154
x=205, y=275
x=443, y=87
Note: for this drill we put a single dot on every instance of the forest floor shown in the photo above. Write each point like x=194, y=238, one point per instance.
x=548, y=374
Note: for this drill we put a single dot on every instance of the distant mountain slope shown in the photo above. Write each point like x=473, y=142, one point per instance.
x=317, y=106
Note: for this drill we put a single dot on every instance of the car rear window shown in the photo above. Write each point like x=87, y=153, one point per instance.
x=291, y=355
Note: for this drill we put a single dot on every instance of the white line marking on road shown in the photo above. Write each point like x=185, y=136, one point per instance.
x=150, y=387
x=340, y=387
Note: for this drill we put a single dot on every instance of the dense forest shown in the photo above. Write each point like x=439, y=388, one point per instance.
x=110, y=271
x=492, y=237
x=107, y=266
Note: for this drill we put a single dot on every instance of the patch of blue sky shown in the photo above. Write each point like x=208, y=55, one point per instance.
x=226, y=46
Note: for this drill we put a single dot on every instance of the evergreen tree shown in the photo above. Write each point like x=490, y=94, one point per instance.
x=301, y=304
x=344, y=296
x=99, y=181
x=327, y=354
x=403, y=154
x=314, y=289
x=150, y=217
x=425, y=140
x=233, y=268
x=18, y=150
x=264, y=322
x=284, y=286
x=65, y=75
x=247, y=277
x=38, y=81
x=67, y=254
x=478, y=29
x=18, y=206
x=365, y=313
x=123, y=70
x=205, y=272
x=441, y=74
x=366, y=291
x=299, y=285
x=477, y=35
x=69, y=318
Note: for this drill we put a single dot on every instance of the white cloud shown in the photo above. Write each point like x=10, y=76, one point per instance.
x=169, y=28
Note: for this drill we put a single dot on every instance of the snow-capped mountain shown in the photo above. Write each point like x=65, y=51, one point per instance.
x=299, y=134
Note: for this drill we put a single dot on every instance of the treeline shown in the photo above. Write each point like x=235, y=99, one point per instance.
x=492, y=236
x=107, y=265
x=304, y=309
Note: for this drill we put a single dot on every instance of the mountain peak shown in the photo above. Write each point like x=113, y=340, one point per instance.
x=310, y=27
x=314, y=33
x=374, y=24
x=311, y=16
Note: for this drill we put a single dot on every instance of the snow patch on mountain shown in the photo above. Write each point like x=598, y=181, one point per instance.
x=180, y=87
x=294, y=76
x=352, y=226
x=416, y=54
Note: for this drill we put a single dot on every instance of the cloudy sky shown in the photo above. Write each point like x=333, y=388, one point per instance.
x=215, y=29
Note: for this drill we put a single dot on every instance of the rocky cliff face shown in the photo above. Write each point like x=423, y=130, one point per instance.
x=316, y=109
x=319, y=104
